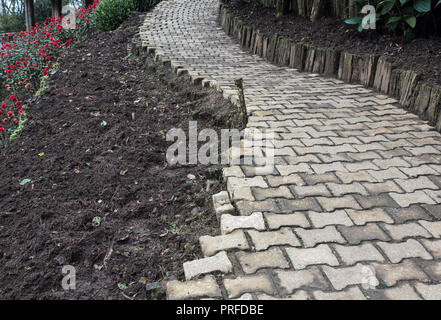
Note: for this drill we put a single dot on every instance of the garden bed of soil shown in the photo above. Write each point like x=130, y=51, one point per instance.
x=101, y=196
x=421, y=55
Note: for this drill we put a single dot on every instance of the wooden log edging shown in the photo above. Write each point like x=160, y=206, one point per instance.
x=370, y=70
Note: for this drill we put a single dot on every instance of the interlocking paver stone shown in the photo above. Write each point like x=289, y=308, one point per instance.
x=322, y=219
x=433, y=246
x=390, y=274
x=272, y=258
x=343, y=154
x=342, y=277
x=312, y=237
x=353, y=254
x=401, y=215
x=405, y=230
x=230, y=223
x=206, y=287
x=302, y=258
x=399, y=251
x=247, y=284
x=368, y=232
x=218, y=262
x=234, y=240
x=433, y=227
x=293, y=280
x=263, y=240
x=352, y=293
x=403, y=291
x=275, y=221
x=331, y=204
x=406, y=199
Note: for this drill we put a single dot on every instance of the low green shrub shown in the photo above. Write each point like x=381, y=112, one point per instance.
x=111, y=13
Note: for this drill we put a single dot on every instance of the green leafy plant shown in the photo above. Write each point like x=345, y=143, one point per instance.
x=401, y=16
x=111, y=13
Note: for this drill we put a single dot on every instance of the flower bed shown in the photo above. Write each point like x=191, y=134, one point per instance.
x=27, y=57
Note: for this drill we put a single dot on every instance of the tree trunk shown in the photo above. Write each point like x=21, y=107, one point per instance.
x=318, y=9
x=29, y=14
x=282, y=6
x=56, y=8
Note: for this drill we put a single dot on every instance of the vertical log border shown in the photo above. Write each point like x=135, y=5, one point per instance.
x=370, y=70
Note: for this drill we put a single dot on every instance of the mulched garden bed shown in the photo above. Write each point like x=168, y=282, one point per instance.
x=422, y=55
x=101, y=196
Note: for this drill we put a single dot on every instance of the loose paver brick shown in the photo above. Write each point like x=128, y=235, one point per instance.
x=218, y=262
x=401, y=215
x=292, y=179
x=410, y=185
x=429, y=291
x=298, y=295
x=234, y=240
x=206, y=287
x=230, y=223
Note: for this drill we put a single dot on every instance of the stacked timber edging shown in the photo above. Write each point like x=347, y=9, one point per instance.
x=370, y=70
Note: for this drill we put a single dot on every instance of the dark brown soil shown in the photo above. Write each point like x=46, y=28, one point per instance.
x=88, y=157
x=422, y=55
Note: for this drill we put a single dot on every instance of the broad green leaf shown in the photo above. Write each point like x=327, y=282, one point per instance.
x=388, y=5
x=439, y=2
x=411, y=21
x=360, y=28
x=404, y=1
x=392, y=25
x=393, y=19
x=355, y=20
x=422, y=6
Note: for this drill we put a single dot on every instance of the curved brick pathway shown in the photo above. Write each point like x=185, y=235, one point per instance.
x=355, y=199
